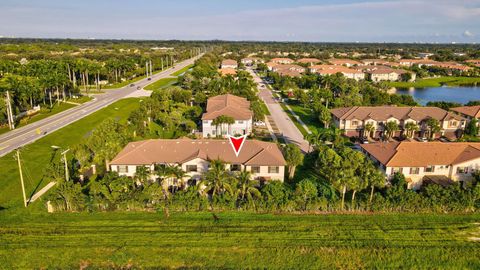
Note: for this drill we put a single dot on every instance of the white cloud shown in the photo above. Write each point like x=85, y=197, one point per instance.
x=467, y=33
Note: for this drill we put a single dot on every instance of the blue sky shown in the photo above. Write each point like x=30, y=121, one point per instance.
x=279, y=20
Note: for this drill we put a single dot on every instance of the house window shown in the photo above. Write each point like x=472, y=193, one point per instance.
x=158, y=167
x=354, y=123
x=138, y=167
x=122, y=168
x=397, y=170
x=235, y=167
x=205, y=121
x=255, y=169
x=430, y=168
x=191, y=168
x=240, y=122
x=273, y=169
x=463, y=170
x=414, y=170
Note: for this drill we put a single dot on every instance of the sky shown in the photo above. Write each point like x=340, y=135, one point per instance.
x=442, y=21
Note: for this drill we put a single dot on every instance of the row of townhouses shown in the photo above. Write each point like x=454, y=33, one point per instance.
x=263, y=159
x=355, y=120
x=429, y=162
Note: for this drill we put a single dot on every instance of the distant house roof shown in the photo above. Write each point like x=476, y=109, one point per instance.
x=282, y=60
x=336, y=61
x=229, y=62
x=308, y=60
x=472, y=111
x=227, y=71
x=254, y=152
x=338, y=69
x=421, y=154
x=229, y=105
x=383, y=113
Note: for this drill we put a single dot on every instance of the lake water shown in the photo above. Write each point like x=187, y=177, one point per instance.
x=457, y=94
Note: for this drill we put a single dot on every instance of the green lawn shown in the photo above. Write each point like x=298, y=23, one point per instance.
x=181, y=71
x=127, y=82
x=307, y=116
x=238, y=240
x=435, y=82
x=41, y=115
x=162, y=83
x=36, y=156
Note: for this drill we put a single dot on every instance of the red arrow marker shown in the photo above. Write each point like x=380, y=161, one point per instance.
x=237, y=143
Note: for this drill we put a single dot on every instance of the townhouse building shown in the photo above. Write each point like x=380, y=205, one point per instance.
x=263, y=159
x=426, y=162
x=233, y=106
x=353, y=120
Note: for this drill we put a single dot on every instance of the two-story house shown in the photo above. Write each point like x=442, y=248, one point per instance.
x=469, y=112
x=232, y=106
x=354, y=120
x=420, y=162
x=263, y=159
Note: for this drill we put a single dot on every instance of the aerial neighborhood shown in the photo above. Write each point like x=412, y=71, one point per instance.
x=240, y=134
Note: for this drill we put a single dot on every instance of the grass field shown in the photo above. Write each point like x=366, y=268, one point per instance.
x=181, y=71
x=41, y=115
x=238, y=240
x=162, y=83
x=36, y=156
x=436, y=82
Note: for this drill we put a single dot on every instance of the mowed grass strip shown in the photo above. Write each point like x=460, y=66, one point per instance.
x=162, y=83
x=436, y=82
x=183, y=70
x=238, y=240
x=36, y=156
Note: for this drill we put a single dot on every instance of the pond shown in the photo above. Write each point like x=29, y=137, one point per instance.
x=459, y=94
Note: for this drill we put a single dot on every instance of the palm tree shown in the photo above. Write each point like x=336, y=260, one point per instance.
x=410, y=129
x=433, y=126
x=294, y=157
x=142, y=175
x=390, y=128
x=368, y=130
x=247, y=188
x=217, y=180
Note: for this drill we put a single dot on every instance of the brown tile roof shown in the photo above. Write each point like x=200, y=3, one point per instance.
x=227, y=71
x=421, y=154
x=308, y=60
x=338, y=69
x=229, y=62
x=229, y=105
x=336, y=61
x=383, y=113
x=280, y=59
x=253, y=153
x=472, y=111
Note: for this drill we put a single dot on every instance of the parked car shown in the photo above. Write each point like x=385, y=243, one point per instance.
x=260, y=124
x=132, y=85
x=138, y=87
x=364, y=140
x=149, y=79
x=422, y=139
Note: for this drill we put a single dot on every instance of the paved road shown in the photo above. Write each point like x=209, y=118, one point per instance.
x=290, y=132
x=34, y=131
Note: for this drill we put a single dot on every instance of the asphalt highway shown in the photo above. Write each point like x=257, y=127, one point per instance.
x=27, y=134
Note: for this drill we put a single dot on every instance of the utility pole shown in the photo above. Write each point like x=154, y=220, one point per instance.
x=11, y=123
x=151, y=68
x=21, y=177
x=64, y=154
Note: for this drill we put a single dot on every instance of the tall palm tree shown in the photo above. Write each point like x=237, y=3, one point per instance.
x=410, y=129
x=390, y=128
x=142, y=175
x=217, y=180
x=368, y=130
x=433, y=126
x=246, y=189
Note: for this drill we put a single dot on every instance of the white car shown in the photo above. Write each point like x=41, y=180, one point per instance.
x=260, y=124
